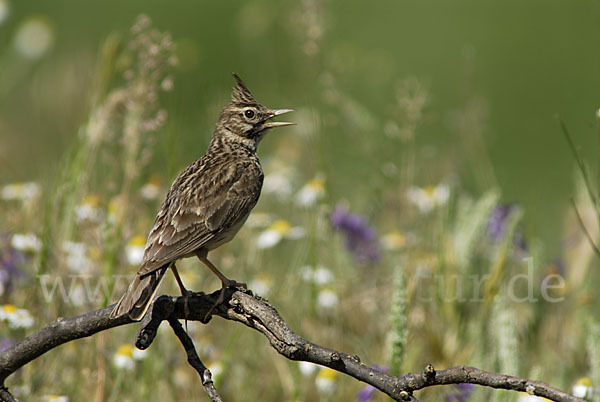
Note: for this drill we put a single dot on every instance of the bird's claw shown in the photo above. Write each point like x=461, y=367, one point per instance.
x=224, y=285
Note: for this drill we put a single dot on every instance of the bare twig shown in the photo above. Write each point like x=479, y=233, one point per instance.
x=194, y=360
x=258, y=314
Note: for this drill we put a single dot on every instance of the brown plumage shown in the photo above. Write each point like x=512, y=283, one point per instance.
x=208, y=202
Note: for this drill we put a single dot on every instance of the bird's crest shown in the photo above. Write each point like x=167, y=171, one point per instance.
x=241, y=94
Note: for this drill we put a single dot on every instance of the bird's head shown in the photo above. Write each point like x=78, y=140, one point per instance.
x=244, y=119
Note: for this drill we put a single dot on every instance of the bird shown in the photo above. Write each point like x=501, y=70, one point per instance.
x=207, y=203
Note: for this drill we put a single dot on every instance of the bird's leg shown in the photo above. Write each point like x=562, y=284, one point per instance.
x=225, y=282
x=184, y=292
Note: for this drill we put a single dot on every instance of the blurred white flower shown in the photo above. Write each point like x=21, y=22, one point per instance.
x=307, y=368
x=34, y=37
x=259, y=220
x=20, y=191
x=583, y=388
x=523, y=397
x=151, y=190
x=89, y=209
x=77, y=257
x=427, y=198
x=4, y=10
x=216, y=369
x=277, y=183
x=16, y=317
x=278, y=230
x=78, y=295
x=55, y=398
x=26, y=242
x=326, y=380
x=311, y=192
x=123, y=359
x=320, y=275
x=327, y=299
x=261, y=285
x=139, y=354
x=135, y=250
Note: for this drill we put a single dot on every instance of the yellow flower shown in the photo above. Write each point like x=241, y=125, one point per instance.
x=56, y=398
x=393, y=240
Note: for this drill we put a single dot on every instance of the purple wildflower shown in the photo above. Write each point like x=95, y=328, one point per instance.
x=6, y=343
x=360, y=238
x=461, y=392
x=10, y=262
x=497, y=226
x=366, y=394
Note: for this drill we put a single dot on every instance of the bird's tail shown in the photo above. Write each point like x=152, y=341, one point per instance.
x=138, y=296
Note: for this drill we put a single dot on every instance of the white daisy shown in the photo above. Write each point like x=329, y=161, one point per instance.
x=327, y=299
x=16, y=317
x=326, y=380
x=278, y=230
x=77, y=257
x=135, y=250
x=428, y=198
x=89, y=209
x=261, y=285
x=583, y=388
x=311, y=192
x=123, y=359
x=307, y=368
x=20, y=191
x=26, y=242
x=151, y=190
x=34, y=37
x=55, y=398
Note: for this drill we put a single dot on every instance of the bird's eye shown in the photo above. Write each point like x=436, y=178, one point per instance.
x=249, y=113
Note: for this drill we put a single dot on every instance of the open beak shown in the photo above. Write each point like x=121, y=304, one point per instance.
x=278, y=112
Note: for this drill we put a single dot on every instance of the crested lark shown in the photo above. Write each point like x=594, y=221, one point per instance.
x=208, y=202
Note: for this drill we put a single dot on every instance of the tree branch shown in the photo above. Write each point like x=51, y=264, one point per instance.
x=258, y=314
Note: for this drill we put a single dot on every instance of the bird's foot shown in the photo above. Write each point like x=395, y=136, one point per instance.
x=233, y=284
x=186, y=305
x=224, y=285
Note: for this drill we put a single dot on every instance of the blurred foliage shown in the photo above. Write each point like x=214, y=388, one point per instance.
x=433, y=122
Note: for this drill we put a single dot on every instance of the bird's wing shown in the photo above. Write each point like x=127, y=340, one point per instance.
x=206, y=199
